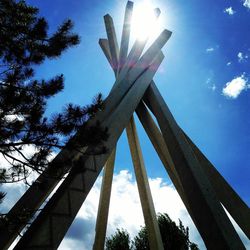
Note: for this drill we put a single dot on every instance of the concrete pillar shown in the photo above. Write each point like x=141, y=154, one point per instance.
x=237, y=208
x=160, y=146
x=125, y=34
x=104, y=201
x=113, y=45
x=147, y=204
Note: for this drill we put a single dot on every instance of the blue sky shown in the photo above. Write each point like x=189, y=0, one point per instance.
x=194, y=72
x=203, y=78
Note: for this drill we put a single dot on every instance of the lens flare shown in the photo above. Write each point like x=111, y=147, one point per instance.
x=144, y=21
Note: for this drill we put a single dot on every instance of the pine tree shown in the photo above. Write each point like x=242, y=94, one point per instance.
x=25, y=43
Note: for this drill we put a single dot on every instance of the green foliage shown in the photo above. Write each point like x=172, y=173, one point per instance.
x=173, y=237
x=141, y=240
x=120, y=240
x=25, y=43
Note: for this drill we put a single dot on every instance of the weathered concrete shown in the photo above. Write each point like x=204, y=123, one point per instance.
x=206, y=208
x=104, y=201
x=147, y=204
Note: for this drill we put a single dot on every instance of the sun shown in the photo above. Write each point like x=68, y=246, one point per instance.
x=145, y=21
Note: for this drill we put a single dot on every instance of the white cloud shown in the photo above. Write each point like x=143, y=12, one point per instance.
x=14, y=190
x=27, y=151
x=125, y=210
x=247, y=4
x=210, y=49
x=229, y=11
x=229, y=63
x=233, y=88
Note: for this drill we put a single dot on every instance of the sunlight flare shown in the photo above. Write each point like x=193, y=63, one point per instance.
x=145, y=21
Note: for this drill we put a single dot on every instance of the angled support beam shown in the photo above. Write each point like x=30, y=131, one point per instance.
x=113, y=45
x=237, y=208
x=125, y=34
x=133, y=63
x=104, y=44
x=133, y=60
x=104, y=201
x=155, y=241
x=57, y=210
x=124, y=82
x=137, y=49
x=160, y=146
x=227, y=196
x=206, y=208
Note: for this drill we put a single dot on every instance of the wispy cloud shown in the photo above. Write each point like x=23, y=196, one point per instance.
x=242, y=57
x=213, y=87
x=210, y=84
x=229, y=11
x=247, y=4
x=233, y=88
x=229, y=63
x=210, y=49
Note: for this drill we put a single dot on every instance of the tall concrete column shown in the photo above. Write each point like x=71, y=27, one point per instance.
x=104, y=201
x=147, y=204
